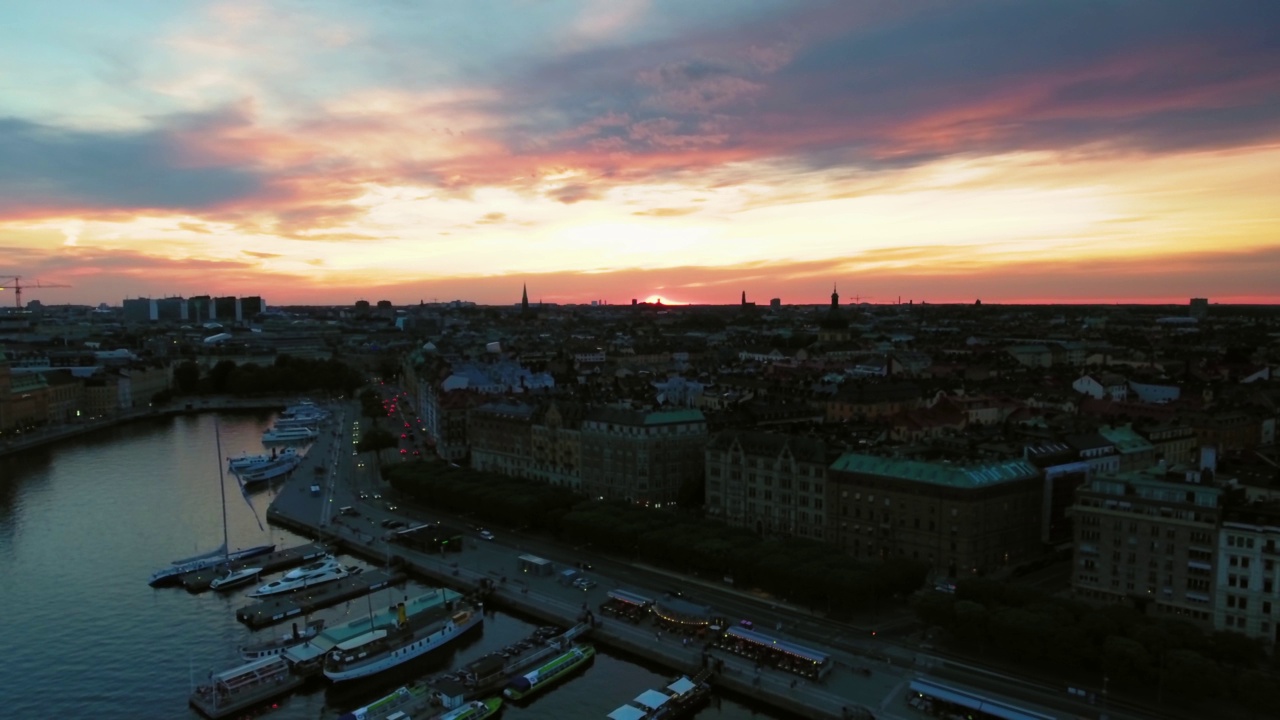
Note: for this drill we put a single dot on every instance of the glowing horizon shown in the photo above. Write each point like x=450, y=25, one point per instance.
x=610, y=151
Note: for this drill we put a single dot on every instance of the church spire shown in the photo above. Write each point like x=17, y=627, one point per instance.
x=524, y=298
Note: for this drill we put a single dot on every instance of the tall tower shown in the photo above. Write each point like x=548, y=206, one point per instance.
x=744, y=297
x=835, y=299
x=524, y=300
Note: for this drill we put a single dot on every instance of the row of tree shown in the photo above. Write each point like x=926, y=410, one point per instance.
x=285, y=375
x=1162, y=659
x=802, y=571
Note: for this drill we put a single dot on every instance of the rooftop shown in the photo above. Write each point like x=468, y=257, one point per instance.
x=960, y=476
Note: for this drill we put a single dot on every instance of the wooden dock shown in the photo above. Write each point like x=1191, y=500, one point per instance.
x=199, y=580
x=274, y=610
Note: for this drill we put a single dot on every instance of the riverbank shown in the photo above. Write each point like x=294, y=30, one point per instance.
x=181, y=406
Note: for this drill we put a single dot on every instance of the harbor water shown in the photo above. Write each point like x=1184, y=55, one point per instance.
x=84, y=523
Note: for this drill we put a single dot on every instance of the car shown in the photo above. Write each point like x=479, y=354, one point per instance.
x=348, y=510
x=486, y=535
x=364, y=495
x=377, y=496
x=404, y=436
x=584, y=584
x=406, y=424
x=355, y=452
x=360, y=464
x=404, y=451
x=392, y=507
x=417, y=452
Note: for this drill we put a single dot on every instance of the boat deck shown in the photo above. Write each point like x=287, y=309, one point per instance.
x=218, y=705
x=199, y=580
x=276, y=609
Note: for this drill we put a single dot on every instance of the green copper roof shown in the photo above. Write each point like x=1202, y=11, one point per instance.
x=668, y=417
x=953, y=475
x=1124, y=438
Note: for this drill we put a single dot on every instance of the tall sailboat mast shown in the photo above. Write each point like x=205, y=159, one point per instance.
x=222, y=488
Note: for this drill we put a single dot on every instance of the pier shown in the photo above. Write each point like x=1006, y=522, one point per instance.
x=198, y=581
x=274, y=610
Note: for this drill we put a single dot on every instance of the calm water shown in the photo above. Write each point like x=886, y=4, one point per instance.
x=82, y=526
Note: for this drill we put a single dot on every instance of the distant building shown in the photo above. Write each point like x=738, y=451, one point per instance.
x=226, y=309
x=1150, y=540
x=960, y=519
x=772, y=484
x=1199, y=307
x=1247, y=597
x=252, y=306
x=171, y=309
x=642, y=457
x=775, y=303
x=140, y=310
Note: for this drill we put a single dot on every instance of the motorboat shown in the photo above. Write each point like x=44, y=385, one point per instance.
x=320, y=572
x=234, y=578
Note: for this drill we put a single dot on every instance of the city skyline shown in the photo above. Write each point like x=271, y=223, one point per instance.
x=320, y=154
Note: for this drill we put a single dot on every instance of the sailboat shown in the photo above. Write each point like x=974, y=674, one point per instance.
x=233, y=577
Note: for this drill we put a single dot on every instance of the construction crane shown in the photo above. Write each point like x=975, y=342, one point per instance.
x=859, y=298
x=18, y=287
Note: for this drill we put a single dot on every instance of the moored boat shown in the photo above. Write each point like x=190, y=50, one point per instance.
x=278, y=645
x=269, y=471
x=248, y=462
x=558, y=669
x=290, y=434
x=244, y=687
x=170, y=575
x=383, y=648
x=312, y=574
x=680, y=699
x=474, y=710
x=234, y=578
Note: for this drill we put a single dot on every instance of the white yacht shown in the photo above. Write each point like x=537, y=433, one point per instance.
x=322, y=571
x=293, y=434
x=386, y=647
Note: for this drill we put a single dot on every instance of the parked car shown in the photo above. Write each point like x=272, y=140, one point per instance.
x=486, y=535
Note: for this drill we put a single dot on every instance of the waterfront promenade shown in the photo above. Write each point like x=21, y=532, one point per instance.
x=857, y=686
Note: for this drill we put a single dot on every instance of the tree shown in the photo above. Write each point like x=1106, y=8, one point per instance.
x=186, y=377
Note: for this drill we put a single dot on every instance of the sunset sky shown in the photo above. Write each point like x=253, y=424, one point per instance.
x=324, y=152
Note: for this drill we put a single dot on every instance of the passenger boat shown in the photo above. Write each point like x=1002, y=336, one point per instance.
x=293, y=434
x=250, y=462
x=681, y=699
x=269, y=471
x=278, y=645
x=241, y=688
x=234, y=578
x=320, y=572
x=386, y=647
x=558, y=669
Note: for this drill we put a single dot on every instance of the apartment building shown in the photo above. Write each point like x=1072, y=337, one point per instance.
x=557, y=445
x=1247, y=596
x=961, y=519
x=501, y=438
x=773, y=484
x=641, y=456
x=1150, y=539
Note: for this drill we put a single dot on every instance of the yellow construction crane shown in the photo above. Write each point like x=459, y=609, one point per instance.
x=18, y=287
